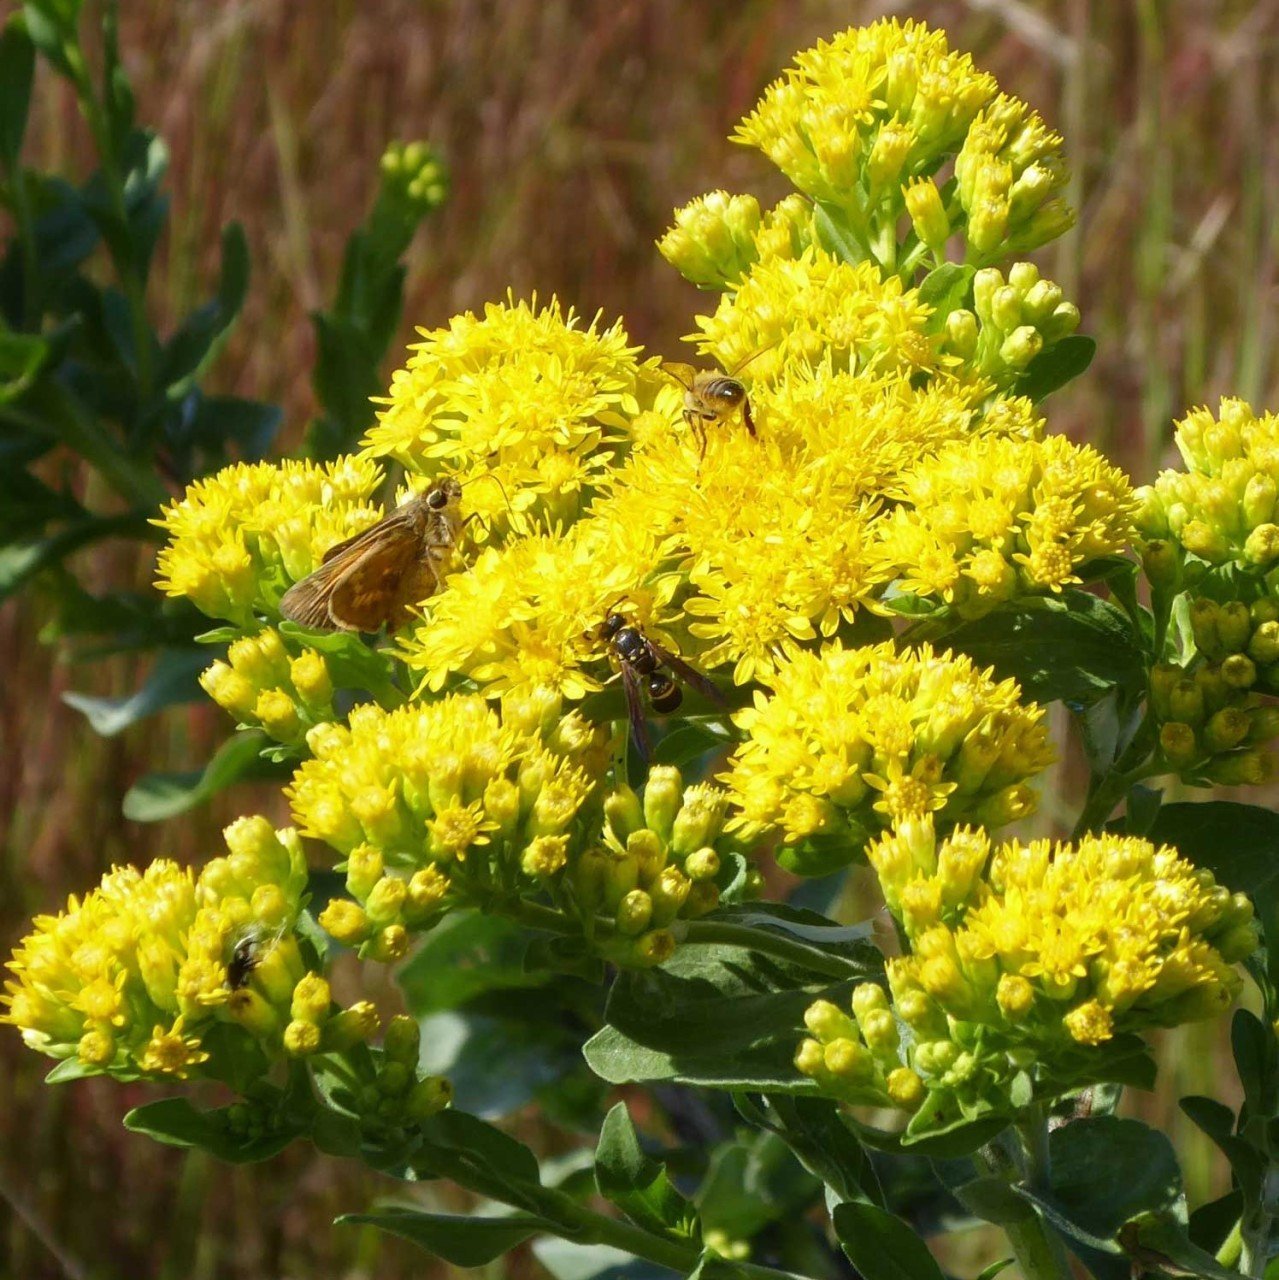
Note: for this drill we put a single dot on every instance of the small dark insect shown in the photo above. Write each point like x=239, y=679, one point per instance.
x=647, y=668
x=377, y=576
x=246, y=957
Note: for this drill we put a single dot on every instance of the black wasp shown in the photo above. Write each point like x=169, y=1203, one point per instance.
x=244, y=959
x=642, y=661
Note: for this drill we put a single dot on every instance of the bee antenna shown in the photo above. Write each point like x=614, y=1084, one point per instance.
x=755, y=355
x=669, y=371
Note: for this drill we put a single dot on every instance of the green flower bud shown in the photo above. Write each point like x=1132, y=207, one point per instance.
x=1263, y=725
x=402, y=1039
x=345, y=921
x=1242, y=769
x=1264, y=610
x=1216, y=692
x=703, y=898
x=310, y=677
x=1226, y=729
x=350, y=1027
x=278, y=714
x=386, y=900
x=502, y=804
x=623, y=813
x=1163, y=677
x=387, y=945
x=634, y=913
x=1005, y=308
x=1263, y=647
x=849, y=1062
x=429, y=1095
x=868, y=997
x=645, y=847
x=1203, y=624
x=962, y=333
x=1262, y=545
x=364, y=868
x=653, y=948
x=1040, y=300
x=1024, y=276
x=905, y=1088
x=810, y=1059
x=1186, y=702
x=880, y=1030
x=986, y=283
x=621, y=875
x=1063, y=321
x=1239, y=671
x=699, y=820
x=427, y=888
x=702, y=864
x=1234, y=626
x=1259, y=497
x=1238, y=943
x=230, y=690
x=250, y=1009
x=395, y=1078
x=663, y=793
x=1177, y=742
x=1021, y=347
x=669, y=892
x=827, y=1021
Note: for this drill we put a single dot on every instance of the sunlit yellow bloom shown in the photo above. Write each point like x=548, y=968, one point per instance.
x=526, y=395
x=816, y=310
x=130, y=978
x=996, y=517
x=239, y=539
x=1224, y=506
x=850, y=740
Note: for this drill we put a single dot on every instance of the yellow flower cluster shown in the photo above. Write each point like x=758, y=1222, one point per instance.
x=129, y=980
x=1050, y=944
x=1222, y=508
x=527, y=396
x=446, y=800
x=657, y=863
x=868, y=117
x=718, y=237
x=815, y=310
x=239, y=539
x=261, y=685
x=993, y=518
x=849, y=741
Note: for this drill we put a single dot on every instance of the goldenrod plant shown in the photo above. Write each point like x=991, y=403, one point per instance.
x=672, y=661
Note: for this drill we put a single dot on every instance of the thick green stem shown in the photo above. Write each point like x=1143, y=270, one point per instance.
x=1040, y=1254
x=1232, y=1246
x=1254, y=1243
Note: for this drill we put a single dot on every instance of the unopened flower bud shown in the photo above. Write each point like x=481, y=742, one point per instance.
x=1241, y=769
x=962, y=333
x=386, y=900
x=1263, y=646
x=364, y=868
x=703, y=898
x=634, y=913
x=429, y=1095
x=1226, y=729
x=230, y=690
x=1161, y=562
x=311, y=999
x=1262, y=545
x=302, y=1038
x=827, y=1021
x=1021, y=346
x=402, y=1039
x=644, y=848
x=310, y=677
x=278, y=714
x=1239, y=671
x=663, y=793
x=387, y=945
x=623, y=813
x=702, y=864
x=653, y=948
x=699, y=820
x=1178, y=744
x=927, y=213
x=427, y=888
x=1186, y=702
x=350, y=1027
x=905, y=1088
x=851, y=1063
x=345, y=921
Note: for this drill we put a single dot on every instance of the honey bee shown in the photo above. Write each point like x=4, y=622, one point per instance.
x=378, y=575
x=643, y=662
x=710, y=397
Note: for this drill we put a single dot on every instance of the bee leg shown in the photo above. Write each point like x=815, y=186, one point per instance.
x=748, y=420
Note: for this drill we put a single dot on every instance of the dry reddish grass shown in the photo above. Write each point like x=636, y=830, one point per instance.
x=572, y=127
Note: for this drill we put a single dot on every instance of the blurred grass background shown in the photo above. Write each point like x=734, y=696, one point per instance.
x=571, y=128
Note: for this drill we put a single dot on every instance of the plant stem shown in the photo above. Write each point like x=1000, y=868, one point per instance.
x=1255, y=1240
x=1040, y=1254
x=1231, y=1246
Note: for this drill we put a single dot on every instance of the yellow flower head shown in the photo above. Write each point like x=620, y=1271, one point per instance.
x=239, y=539
x=851, y=740
x=523, y=394
x=861, y=117
x=816, y=310
x=1060, y=944
x=128, y=979
x=1224, y=506
x=995, y=517
x=429, y=797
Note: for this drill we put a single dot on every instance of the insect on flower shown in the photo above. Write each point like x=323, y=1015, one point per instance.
x=711, y=397
x=378, y=575
x=245, y=958
x=642, y=661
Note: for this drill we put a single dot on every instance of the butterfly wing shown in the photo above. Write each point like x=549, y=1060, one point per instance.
x=363, y=597
x=307, y=602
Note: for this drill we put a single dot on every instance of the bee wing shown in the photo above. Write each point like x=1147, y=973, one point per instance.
x=363, y=597
x=689, y=675
x=635, y=712
x=682, y=373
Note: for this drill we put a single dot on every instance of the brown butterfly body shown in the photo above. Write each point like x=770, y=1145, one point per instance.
x=377, y=576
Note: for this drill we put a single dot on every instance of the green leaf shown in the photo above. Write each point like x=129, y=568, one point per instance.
x=171, y=680
x=992, y=1199
x=17, y=67
x=687, y=742
x=23, y=559
x=568, y=1261
x=718, y=1016
x=164, y=795
x=812, y=931
x=498, y=1159
x=753, y=1181
x=836, y=236
x=21, y=357
x=1055, y=366
x=996, y=1268
x=1218, y=1122
x=1238, y=843
x=198, y=339
x=1257, y=1061
x=637, y=1184
x=465, y=1240
x=946, y=288
x=1071, y=647
x=881, y=1246
x=176, y=1123
x=466, y=955
x=345, y=376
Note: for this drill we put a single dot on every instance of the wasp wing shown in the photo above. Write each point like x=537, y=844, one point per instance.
x=688, y=675
x=635, y=712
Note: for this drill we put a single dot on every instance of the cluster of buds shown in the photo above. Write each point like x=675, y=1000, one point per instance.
x=1013, y=320
x=859, y=1058
x=413, y=178
x=1224, y=508
x=436, y=804
x=396, y=1093
x=1213, y=721
x=1009, y=177
x=657, y=863
x=262, y=686
x=718, y=237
